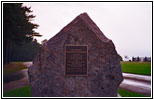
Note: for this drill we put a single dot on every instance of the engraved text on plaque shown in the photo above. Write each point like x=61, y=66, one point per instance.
x=76, y=60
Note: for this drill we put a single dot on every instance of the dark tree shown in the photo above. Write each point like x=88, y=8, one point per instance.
x=138, y=59
x=145, y=59
x=126, y=57
x=133, y=59
x=30, y=50
x=17, y=27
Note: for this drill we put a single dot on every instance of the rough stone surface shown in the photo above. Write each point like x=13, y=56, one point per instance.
x=47, y=74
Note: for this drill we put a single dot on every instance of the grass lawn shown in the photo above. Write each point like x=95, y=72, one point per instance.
x=125, y=93
x=13, y=67
x=143, y=68
x=20, y=92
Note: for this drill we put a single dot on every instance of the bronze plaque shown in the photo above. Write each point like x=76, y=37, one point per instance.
x=76, y=60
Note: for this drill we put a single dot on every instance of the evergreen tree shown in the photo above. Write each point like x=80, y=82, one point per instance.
x=138, y=59
x=25, y=52
x=17, y=27
x=145, y=59
x=133, y=59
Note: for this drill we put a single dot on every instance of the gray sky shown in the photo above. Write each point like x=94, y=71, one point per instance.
x=127, y=24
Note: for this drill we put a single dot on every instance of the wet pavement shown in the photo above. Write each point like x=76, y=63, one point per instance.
x=17, y=75
x=28, y=63
x=137, y=77
x=137, y=83
x=15, y=80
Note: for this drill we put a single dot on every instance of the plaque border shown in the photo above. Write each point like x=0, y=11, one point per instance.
x=65, y=61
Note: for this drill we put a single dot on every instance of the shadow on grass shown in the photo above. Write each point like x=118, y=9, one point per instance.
x=12, y=77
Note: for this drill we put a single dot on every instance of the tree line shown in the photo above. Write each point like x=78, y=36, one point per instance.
x=145, y=59
x=18, y=33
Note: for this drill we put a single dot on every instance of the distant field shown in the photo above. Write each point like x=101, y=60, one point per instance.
x=143, y=68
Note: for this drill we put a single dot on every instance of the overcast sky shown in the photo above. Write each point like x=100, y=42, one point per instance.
x=127, y=24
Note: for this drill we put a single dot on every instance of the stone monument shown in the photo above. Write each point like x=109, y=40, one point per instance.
x=79, y=61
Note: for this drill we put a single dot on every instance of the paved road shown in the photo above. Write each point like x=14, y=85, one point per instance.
x=28, y=63
x=137, y=83
x=13, y=83
x=136, y=86
x=145, y=78
x=18, y=75
x=16, y=80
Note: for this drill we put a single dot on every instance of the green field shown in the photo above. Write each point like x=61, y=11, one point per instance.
x=143, y=68
x=125, y=93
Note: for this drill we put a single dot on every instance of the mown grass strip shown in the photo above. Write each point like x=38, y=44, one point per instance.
x=143, y=68
x=126, y=93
